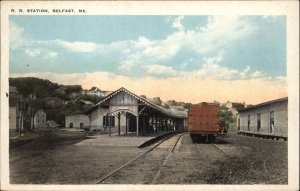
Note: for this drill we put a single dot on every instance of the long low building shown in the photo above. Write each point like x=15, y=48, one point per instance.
x=77, y=121
x=122, y=111
x=268, y=118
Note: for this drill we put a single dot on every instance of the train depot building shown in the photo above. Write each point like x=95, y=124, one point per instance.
x=123, y=112
x=266, y=120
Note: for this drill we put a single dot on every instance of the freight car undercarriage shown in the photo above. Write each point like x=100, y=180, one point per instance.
x=203, y=137
x=207, y=137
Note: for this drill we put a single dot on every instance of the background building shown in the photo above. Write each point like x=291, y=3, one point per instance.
x=13, y=108
x=40, y=119
x=265, y=118
x=77, y=121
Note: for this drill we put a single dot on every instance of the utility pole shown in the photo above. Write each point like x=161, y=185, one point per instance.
x=20, y=117
x=32, y=118
x=90, y=116
x=109, y=121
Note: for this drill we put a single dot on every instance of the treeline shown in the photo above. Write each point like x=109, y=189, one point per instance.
x=226, y=113
x=167, y=104
x=43, y=88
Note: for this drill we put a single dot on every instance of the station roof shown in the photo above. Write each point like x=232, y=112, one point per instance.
x=264, y=103
x=171, y=113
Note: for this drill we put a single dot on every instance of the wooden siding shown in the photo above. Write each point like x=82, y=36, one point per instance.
x=280, y=118
x=123, y=101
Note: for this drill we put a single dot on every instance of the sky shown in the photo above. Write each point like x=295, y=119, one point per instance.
x=181, y=57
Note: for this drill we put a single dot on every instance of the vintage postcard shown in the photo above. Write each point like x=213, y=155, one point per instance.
x=152, y=95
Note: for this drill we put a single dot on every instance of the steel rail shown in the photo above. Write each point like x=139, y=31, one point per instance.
x=177, y=141
x=123, y=166
x=197, y=148
x=215, y=146
x=264, y=165
x=168, y=156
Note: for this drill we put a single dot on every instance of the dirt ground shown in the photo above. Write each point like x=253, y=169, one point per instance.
x=57, y=159
x=260, y=161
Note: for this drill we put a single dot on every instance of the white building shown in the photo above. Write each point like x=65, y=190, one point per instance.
x=265, y=118
x=13, y=108
x=40, y=119
x=98, y=93
x=77, y=121
x=177, y=108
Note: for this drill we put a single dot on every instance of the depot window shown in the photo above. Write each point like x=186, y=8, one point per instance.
x=248, y=123
x=272, y=122
x=109, y=121
x=258, y=122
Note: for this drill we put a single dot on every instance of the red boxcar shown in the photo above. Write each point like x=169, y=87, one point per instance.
x=203, y=121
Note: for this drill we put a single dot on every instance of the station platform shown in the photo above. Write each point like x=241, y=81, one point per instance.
x=262, y=135
x=114, y=140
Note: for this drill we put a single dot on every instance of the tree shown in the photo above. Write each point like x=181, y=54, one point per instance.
x=93, y=99
x=226, y=115
x=166, y=106
x=186, y=105
x=157, y=101
x=73, y=88
x=217, y=103
x=223, y=108
x=250, y=105
x=238, y=106
x=94, y=88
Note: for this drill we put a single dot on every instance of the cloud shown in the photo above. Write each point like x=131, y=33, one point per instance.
x=152, y=56
x=168, y=19
x=211, y=69
x=40, y=52
x=220, y=31
x=144, y=51
x=160, y=70
x=33, y=52
x=188, y=89
x=257, y=74
x=51, y=54
x=128, y=64
x=177, y=23
x=142, y=42
x=15, y=35
x=212, y=38
x=244, y=73
x=78, y=46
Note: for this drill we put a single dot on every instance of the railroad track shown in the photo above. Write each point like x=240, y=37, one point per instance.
x=101, y=180
x=166, y=159
x=215, y=146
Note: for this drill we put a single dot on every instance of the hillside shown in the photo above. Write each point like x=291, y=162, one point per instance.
x=38, y=91
x=43, y=88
